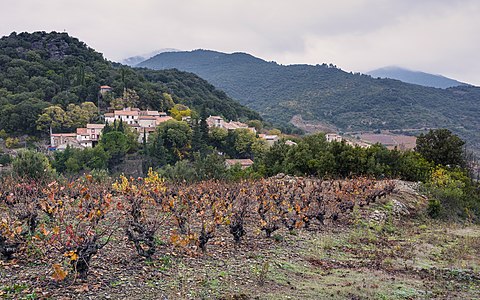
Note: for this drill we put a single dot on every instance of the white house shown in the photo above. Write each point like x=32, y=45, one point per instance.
x=269, y=138
x=83, y=138
x=105, y=89
x=244, y=163
x=147, y=121
x=217, y=121
x=57, y=139
x=333, y=137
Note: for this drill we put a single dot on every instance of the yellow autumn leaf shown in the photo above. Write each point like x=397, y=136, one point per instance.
x=72, y=255
x=56, y=230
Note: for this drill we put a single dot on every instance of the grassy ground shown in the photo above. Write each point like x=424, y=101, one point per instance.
x=379, y=252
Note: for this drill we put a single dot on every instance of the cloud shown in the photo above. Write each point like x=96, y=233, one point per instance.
x=431, y=35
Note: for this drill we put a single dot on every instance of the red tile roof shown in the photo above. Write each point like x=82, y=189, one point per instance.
x=147, y=118
x=163, y=119
x=126, y=113
x=242, y=162
x=64, y=134
x=95, y=126
x=82, y=131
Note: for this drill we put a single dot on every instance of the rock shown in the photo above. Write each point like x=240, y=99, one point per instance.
x=378, y=216
x=399, y=209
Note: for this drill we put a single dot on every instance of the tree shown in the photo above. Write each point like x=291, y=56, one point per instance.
x=32, y=165
x=52, y=117
x=65, y=98
x=130, y=98
x=274, y=159
x=198, y=142
x=442, y=147
x=243, y=141
x=176, y=137
x=217, y=137
x=203, y=125
x=179, y=111
x=81, y=115
x=168, y=100
x=115, y=145
x=156, y=152
x=257, y=124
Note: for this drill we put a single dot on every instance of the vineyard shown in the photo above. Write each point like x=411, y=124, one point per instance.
x=70, y=237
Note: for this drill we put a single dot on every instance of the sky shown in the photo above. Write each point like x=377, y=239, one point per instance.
x=435, y=36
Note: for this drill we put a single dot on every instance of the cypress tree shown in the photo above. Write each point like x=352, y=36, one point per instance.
x=120, y=126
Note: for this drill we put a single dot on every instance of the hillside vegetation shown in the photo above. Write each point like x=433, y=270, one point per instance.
x=41, y=69
x=324, y=93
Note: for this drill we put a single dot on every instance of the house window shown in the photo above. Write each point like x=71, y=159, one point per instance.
x=93, y=136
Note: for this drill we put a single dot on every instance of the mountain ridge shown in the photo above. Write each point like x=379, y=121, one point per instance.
x=132, y=61
x=351, y=102
x=416, y=77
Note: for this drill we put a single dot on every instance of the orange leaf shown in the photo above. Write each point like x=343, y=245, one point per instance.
x=174, y=238
x=58, y=273
x=18, y=230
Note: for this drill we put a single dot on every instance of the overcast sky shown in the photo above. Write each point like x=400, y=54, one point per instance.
x=436, y=36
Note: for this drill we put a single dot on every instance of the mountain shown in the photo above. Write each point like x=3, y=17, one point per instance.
x=41, y=69
x=325, y=94
x=135, y=60
x=415, y=77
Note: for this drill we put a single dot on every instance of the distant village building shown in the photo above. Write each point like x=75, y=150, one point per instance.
x=215, y=121
x=290, y=143
x=269, y=138
x=127, y=116
x=358, y=144
x=244, y=163
x=89, y=137
x=57, y=139
x=143, y=121
x=105, y=89
x=218, y=122
x=147, y=121
x=83, y=138
x=187, y=119
x=333, y=137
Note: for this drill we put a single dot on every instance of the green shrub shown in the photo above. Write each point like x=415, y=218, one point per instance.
x=11, y=143
x=434, y=208
x=5, y=159
x=452, y=195
x=32, y=165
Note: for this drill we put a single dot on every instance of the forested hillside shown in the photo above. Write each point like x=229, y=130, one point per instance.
x=41, y=69
x=329, y=95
